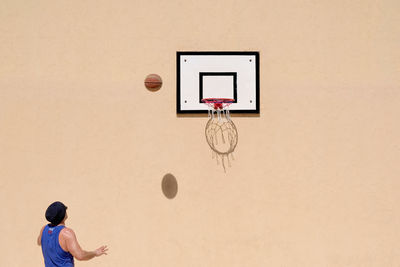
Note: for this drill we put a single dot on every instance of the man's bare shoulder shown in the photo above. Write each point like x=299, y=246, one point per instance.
x=68, y=233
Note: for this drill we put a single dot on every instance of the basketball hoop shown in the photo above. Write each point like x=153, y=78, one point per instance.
x=221, y=133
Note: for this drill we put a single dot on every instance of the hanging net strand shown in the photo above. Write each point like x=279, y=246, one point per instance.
x=221, y=133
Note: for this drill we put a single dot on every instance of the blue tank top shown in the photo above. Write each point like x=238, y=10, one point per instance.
x=53, y=254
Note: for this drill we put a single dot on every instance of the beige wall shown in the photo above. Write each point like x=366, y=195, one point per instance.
x=315, y=181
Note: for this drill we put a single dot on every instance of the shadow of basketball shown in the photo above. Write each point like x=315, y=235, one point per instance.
x=169, y=186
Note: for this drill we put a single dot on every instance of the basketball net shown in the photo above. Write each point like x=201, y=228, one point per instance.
x=220, y=131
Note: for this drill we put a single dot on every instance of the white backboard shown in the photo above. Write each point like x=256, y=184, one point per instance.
x=218, y=75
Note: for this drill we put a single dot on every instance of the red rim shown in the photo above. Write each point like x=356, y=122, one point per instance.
x=218, y=103
x=218, y=100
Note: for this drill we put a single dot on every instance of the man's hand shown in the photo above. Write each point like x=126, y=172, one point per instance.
x=101, y=251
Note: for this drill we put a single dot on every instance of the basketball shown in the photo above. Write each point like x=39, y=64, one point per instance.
x=153, y=82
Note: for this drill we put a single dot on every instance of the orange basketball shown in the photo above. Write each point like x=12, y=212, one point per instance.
x=153, y=82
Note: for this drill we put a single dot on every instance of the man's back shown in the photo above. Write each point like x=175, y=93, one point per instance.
x=54, y=255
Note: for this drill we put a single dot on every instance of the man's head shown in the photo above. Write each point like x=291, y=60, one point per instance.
x=56, y=213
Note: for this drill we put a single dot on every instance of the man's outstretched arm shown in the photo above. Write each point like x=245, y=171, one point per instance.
x=75, y=249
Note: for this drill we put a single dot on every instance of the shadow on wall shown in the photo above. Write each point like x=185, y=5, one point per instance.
x=169, y=186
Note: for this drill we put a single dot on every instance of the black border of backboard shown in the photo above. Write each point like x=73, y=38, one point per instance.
x=217, y=53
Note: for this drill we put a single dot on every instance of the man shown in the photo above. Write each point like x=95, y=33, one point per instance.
x=59, y=243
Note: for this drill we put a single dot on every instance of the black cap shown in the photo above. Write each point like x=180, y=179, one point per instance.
x=55, y=213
